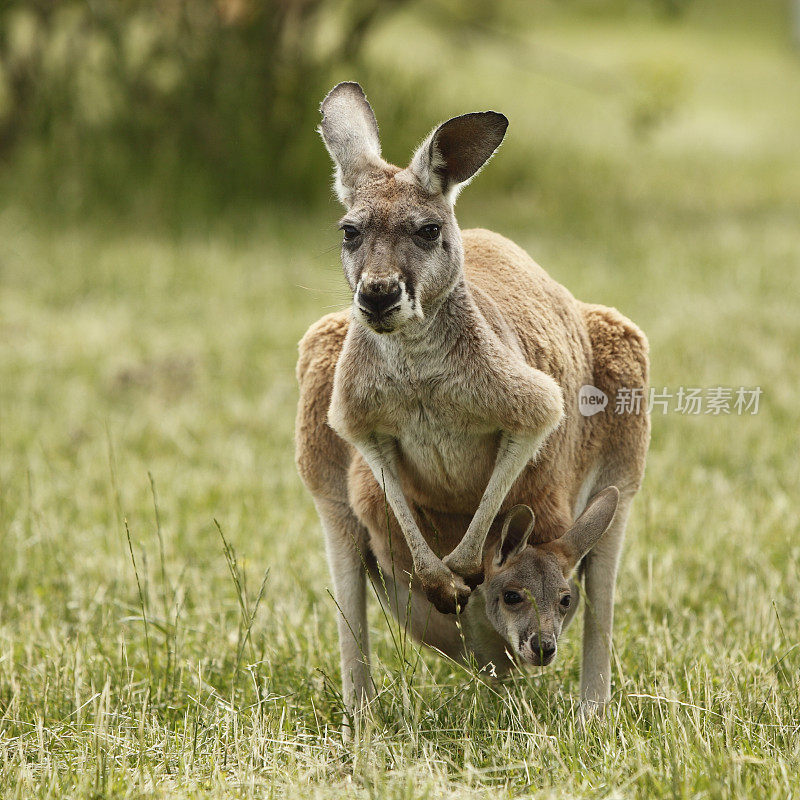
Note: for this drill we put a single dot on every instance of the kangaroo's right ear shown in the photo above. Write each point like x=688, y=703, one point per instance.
x=588, y=529
x=350, y=133
x=453, y=153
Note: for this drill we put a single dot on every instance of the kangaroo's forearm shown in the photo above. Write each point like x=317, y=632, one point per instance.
x=444, y=589
x=379, y=454
x=513, y=455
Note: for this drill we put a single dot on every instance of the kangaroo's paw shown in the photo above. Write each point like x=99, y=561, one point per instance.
x=446, y=590
x=469, y=569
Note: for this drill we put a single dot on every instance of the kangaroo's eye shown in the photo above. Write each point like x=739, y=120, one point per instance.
x=429, y=232
x=350, y=232
x=566, y=600
x=512, y=598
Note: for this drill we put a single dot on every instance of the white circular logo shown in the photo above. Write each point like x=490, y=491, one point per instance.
x=591, y=400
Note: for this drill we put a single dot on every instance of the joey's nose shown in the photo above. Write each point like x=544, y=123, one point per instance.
x=376, y=296
x=544, y=647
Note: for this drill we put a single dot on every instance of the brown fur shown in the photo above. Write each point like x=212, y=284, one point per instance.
x=449, y=393
x=574, y=342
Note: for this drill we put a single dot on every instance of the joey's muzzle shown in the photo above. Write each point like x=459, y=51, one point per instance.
x=541, y=649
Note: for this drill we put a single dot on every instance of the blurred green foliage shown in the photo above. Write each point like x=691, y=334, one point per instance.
x=226, y=89
x=218, y=99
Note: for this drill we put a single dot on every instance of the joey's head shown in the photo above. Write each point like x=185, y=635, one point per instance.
x=402, y=252
x=527, y=591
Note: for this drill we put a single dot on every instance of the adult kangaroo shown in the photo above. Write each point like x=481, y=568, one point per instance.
x=450, y=389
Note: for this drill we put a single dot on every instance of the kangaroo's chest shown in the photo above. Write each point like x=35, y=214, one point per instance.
x=445, y=454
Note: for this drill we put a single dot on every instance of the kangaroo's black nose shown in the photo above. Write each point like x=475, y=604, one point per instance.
x=377, y=296
x=544, y=647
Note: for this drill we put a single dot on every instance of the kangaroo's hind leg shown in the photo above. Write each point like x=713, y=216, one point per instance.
x=599, y=571
x=346, y=543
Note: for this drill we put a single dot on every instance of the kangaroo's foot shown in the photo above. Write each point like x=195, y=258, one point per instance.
x=590, y=713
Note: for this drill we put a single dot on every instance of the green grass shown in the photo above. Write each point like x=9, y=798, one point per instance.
x=131, y=349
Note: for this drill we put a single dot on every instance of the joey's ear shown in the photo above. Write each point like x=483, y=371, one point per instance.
x=514, y=535
x=453, y=153
x=350, y=133
x=590, y=526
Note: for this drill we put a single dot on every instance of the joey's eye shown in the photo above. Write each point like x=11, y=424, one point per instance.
x=350, y=232
x=566, y=600
x=429, y=232
x=512, y=598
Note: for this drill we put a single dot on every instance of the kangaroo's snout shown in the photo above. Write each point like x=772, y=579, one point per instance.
x=543, y=648
x=377, y=295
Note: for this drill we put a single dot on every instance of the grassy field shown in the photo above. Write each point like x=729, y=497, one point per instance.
x=147, y=390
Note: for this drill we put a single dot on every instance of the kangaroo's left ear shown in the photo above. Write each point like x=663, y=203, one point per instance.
x=588, y=529
x=454, y=152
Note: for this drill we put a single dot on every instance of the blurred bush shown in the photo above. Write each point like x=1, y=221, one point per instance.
x=219, y=88
x=221, y=91
x=659, y=90
x=103, y=100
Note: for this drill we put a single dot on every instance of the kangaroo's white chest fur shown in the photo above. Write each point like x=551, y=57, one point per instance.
x=443, y=446
x=438, y=451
